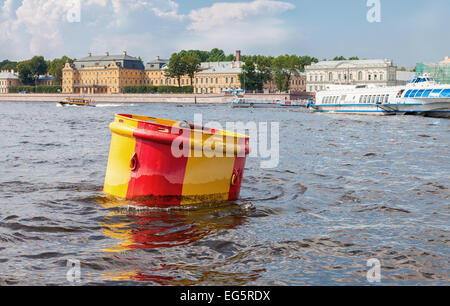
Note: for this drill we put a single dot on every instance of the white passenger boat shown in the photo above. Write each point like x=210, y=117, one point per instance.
x=422, y=96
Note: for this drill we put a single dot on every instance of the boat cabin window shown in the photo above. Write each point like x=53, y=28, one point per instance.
x=386, y=99
x=445, y=93
x=436, y=92
x=419, y=93
x=413, y=93
x=408, y=93
x=426, y=93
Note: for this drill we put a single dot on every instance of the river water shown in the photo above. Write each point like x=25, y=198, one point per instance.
x=347, y=189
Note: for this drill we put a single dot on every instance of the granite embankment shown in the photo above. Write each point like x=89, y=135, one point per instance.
x=133, y=98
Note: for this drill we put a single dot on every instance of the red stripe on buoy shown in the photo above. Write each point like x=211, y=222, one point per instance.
x=158, y=177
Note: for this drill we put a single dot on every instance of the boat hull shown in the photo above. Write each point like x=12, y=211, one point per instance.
x=429, y=108
x=359, y=109
x=255, y=105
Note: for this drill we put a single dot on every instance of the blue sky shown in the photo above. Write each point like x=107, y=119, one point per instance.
x=409, y=32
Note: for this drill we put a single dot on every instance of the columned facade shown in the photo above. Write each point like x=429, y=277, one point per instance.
x=358, y=72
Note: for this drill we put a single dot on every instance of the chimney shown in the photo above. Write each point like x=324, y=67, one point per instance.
x=157, y=58
x=89, y=54
x=107, y=53
x=124, y=52
x=238, y=55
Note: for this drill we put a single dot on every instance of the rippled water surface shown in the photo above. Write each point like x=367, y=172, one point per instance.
x=347, y=189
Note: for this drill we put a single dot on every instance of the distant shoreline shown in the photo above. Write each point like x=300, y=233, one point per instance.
x=121, y=98
x=137, y=98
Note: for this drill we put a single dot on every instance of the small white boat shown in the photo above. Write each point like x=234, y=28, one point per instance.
x=254, y=103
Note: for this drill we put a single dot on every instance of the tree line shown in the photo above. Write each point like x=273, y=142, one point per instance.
x=256, y=71
x=30, y=70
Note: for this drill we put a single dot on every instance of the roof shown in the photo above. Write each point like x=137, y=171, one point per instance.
x=352, y=63
x=124, y=60
x=46, y=77
x=8, y=75
x=157, y=64
x=221, y=67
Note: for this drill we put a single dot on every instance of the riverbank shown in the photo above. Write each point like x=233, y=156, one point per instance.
x=137, y=98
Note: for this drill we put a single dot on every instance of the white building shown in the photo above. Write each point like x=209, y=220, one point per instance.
x=8, y=79
x=380, y=72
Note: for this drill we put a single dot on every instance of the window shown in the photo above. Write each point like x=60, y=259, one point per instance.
x=330, y=76
x=386, y=99
x=419, y=93
x=435, y=93
x=413, y=93
x=426, y=93
x=360, y=76
x=408, y=93
x=445, y=93
x=370, y=77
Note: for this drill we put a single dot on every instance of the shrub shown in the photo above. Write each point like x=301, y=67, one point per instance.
x=146, y=89
x=34, y=89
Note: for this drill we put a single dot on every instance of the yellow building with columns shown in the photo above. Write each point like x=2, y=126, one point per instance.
x=102, y=74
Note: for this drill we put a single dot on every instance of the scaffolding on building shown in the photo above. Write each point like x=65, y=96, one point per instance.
x=441, y=72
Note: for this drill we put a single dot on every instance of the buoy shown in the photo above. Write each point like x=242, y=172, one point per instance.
x=169, y=163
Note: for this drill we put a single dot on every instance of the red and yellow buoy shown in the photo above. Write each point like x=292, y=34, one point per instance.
x=145, y=164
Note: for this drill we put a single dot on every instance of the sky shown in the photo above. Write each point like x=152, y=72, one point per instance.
x=409, y=31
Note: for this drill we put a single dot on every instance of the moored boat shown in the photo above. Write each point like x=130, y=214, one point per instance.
x=422, y=96
x=255, y=103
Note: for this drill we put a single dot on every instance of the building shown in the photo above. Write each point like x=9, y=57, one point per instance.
x=8, y=79
x=102, y=74
x=297, y=84
x=156, y=74
x=446, y=60
x=110, y=74
x=45, y=80
x=381, y=72
x=218, y=76
x=440, y=71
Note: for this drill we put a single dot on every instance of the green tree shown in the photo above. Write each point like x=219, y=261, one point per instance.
x=55, y=68
x=191, y=66
x=8, y=65
x=25, y=75
x=30, y=70
x=176, y=68
x=286, y=66
x=353, y=58
x=249, y=78
x=339, y=58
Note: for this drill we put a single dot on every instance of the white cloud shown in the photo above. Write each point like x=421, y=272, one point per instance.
x=240, y=25
x=31, y=27
x=226, y=13
x=41, y=27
